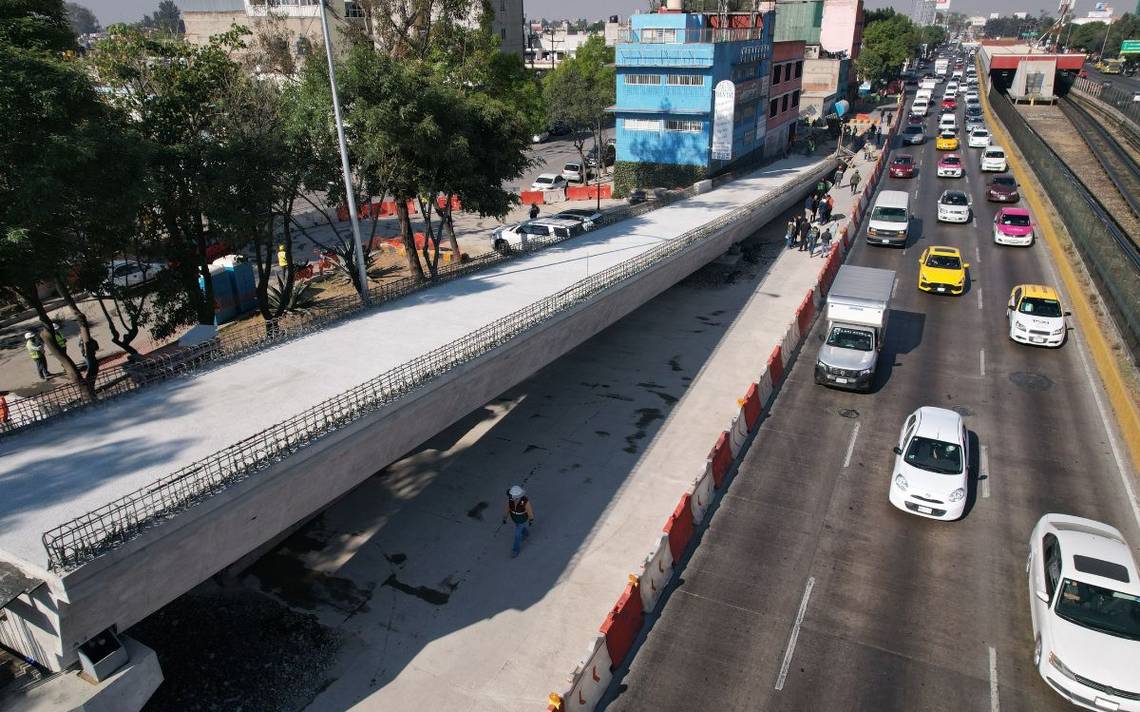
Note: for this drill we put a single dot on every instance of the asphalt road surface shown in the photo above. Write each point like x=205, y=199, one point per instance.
x=1120, y=81
x=898, y=612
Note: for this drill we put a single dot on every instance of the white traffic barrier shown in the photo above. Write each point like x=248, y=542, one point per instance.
x=590, y=679
x=764, y=388
x=702, y=494
x=655, y=575
x=737, y=433
x=553, y=196
x=791, y=341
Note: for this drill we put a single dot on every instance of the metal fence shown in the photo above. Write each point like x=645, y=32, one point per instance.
x=243, y=339
x=1115, y=97
x=1108, y=253
x=86, y=537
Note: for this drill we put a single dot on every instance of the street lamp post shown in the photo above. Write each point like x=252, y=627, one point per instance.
x=350, y=196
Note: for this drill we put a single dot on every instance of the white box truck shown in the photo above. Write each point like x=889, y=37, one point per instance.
x=858, y=307
x=941, y=67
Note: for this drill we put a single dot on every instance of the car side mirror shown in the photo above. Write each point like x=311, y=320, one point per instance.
x=965, y=265
x=1068, y=313
x=896, y=450
x=1042, y=596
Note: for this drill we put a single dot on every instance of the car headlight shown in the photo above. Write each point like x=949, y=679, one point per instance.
x=901, y=482
x=1060, y=666
x=958, y=495
x=1019, y=326
x=866, y=372
x=1058, y=332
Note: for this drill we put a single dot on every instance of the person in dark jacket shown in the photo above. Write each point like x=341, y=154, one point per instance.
x=521, y=514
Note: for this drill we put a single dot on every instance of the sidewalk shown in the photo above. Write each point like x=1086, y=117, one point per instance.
x=414, y=567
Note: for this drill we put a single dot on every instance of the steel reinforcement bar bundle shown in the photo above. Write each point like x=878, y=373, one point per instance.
x=75, y=542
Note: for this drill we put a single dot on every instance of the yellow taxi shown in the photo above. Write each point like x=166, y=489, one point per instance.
x=942, y=271
x=946, y=141
x=1036, y=315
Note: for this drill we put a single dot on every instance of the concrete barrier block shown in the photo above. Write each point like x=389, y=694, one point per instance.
x=655, y=574
x=702, y=186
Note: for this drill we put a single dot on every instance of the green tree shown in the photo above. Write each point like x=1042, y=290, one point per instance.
x=579, y=91
x=887, y=43
x=167, y=18
x=83, y=21
x=68, y=171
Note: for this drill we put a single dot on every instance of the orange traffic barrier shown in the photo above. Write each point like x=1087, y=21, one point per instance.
x=679, y=528
x=721, y=457
x=623, y=622
x=776, y=366
x=752, y=405
x=805, y=313
x=531, y=197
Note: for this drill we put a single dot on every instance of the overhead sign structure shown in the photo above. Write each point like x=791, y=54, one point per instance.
x=724, y=114
x=1130, y=47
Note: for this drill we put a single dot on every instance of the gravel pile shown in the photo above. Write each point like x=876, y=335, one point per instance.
x=238, y=652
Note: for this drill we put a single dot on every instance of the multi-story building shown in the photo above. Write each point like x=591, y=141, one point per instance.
x=832, y=31
x=784, y=95
x=692, y=93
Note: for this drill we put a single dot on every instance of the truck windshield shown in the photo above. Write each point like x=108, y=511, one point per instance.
x=844, y=338
x=889, y=214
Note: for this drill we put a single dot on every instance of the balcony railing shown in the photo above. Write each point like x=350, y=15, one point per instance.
x=702, y=35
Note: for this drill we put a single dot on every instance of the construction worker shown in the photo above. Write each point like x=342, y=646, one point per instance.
x=520, y=512
x=35, y=346
x=60, y=339
x=282, y=256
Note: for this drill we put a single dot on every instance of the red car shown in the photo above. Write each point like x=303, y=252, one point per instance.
x=915, y=120
x=949, y=103
x=902, y=166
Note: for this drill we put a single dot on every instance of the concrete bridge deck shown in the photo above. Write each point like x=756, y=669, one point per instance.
x=78, y=464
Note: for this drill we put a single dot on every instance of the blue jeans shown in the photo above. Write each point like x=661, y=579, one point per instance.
x=522, y=531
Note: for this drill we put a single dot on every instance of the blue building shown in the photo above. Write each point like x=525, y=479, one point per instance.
x=692, y=93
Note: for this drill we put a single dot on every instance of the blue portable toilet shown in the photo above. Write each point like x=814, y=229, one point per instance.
x=225, y=298
x=244, y=283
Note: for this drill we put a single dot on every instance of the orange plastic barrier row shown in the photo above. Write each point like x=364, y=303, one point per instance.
x=623, y=623
x=679, y=527
x=721, y=457
x=589, y=192
x=776, y=366
x=751, y=406
x=532, y=197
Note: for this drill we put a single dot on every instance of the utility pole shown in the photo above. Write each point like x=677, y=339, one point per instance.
x=349, y=194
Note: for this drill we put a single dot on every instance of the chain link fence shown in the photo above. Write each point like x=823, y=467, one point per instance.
x=1109, y=255
x=86, y=537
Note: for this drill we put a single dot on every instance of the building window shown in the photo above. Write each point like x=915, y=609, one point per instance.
x=799, y=69
x=776, y=74
x=687, y=126
x=684, y=80
x=784, y=103
x=773, y=108
x=642, y=124
x=796, y=98
x=351, y=9
x=659, y=36
x=638, y=79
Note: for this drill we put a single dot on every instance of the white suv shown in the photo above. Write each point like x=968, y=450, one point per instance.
x=1084, y=603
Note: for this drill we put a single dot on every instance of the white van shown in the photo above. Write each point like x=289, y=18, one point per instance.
x=948, y=122
x=923, y=94
x=889, y=223
x=920, y=107
x=930, y=84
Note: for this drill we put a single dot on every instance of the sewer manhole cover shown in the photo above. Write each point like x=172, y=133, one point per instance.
x=849, y=413
x=1031, y=381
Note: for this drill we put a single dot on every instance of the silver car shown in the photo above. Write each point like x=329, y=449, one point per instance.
x=913, y=135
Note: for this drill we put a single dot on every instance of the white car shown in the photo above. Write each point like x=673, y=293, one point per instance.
x=548, y=181
x=1084, y=603
x=993, y=159
x=931, y=465
x=971, y=96
x=954, y=207
x=1035, y=316
x=539, y=137
x=532, y=232
x=950, y=166
x=127, y=274
x=979, y=138
x=920, y=107
x=951, y=88
x=948, y=122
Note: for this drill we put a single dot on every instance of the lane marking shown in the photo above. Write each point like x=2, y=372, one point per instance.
x=894, y=287
x=974, y=222
x=979, y=297
x=995, y=703
x=982, y=361
x=795, y=635
x=977, y=254
x=851, y=445
x=985, y=468
x=1105, y=415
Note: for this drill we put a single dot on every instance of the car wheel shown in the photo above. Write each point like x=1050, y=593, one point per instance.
x=502, y=246
x=1037, y=652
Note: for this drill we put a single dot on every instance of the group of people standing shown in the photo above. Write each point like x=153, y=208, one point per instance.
x=813, y=228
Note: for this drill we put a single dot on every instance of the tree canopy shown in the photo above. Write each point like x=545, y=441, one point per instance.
x=888, y=41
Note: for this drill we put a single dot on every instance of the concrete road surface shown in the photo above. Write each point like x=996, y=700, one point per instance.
x=898, y=612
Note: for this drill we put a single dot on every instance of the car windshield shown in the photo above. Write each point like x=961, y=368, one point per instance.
x=981, y=133
x=913, y=129
x=845, y=338
x=955, y=199
x=934, y=456
x=1015, y=220
x=1004, y=182
x=544, y=179
x=994, y=154
x=1038, y=306
x=943, y=262
x=903, y=161
x=571, y=167
x=951, y=160
x=1100, y=609
x=889, y=214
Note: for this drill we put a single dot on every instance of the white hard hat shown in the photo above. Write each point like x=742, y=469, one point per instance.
x=29, y=335
x=516, y=491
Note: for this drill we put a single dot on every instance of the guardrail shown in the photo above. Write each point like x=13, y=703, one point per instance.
x=1107, y=252
x=73, y=543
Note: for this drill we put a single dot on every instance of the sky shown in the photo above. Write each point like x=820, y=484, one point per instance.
x=109, y=11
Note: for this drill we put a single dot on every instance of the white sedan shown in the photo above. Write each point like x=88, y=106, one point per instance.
x=548, y=181
x=979, y=138
x=931, y=465
x=1084, y=603
x=127, y=274
x=993, y=159
x=954, y=207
